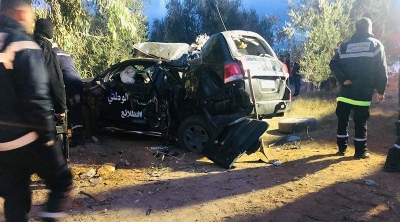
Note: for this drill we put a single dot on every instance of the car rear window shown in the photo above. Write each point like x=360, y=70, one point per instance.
x=250, y=45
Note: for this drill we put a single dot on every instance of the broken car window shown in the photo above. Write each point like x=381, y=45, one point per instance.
x=249, y=45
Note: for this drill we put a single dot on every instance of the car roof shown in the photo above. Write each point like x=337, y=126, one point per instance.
x=162, y=50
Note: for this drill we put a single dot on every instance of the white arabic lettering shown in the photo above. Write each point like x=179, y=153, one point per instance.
x=115, y=97
x=130, y=113
x=358, y=47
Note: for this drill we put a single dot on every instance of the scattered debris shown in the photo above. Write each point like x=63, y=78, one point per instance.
x=89, y=174
x=159, y=148
x=106, y=170
x=293, y=138
x=95, y=140
x=95, y=181
x=371, y=182
x=266, y=155
x=125, y=162
x=276, y=162
x=277, y=141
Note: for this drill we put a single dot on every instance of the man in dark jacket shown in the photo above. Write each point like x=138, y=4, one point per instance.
x=296, y=78
x=360, y=67
x=43, y=35
x=27, y=122
x=74, y=91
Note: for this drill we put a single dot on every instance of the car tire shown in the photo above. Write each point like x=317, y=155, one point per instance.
x=294, y=125
x=193, y=134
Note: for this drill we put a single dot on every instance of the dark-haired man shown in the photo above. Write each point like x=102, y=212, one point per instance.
x=27, y=122
x=360, y=67
x=43, y=35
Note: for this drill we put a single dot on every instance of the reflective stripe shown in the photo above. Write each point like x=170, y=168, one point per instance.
x=397, y=146
x=353, y=102
x=360, y=54
x=77, y=126
x=342, y=136
x=360, y=140
x=7, y=57
x=62, y=54
x=52, y=215
x=20, y=142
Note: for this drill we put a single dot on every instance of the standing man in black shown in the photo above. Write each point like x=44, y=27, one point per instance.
x=296, y=78
x=27, y=121
x=360, y=67
x=74, y=93
x=43, y=36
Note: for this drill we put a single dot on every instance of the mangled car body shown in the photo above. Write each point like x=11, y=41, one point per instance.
x=203, y=102
x=232, y=55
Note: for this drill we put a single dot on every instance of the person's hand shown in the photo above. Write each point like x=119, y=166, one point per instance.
x=50, y=143
x=347, y=83
x=60, y=116
x=380, y=98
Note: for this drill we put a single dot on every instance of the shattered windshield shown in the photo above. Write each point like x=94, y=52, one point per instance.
x=249, y=45
x=167, y=51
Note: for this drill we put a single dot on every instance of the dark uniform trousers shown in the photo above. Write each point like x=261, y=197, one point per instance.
x=16, y=167
x=360, y=116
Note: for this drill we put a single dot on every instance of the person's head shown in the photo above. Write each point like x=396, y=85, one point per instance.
x=19, y=10
x=44, y=27
x=364, y=25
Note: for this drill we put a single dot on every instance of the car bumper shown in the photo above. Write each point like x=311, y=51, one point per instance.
x=270, y=109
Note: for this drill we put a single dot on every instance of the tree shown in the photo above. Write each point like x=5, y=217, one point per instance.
x=157, y=33
x=323, y=25
x=319, y=26
x=96, y=33
x=187, y=19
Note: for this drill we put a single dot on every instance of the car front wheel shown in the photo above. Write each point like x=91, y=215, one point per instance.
x=193, y=134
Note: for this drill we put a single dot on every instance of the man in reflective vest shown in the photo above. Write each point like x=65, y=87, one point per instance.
x=360, y=67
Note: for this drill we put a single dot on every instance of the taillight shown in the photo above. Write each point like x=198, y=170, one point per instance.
x=232, y=72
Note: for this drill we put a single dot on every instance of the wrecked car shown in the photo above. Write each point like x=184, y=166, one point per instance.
x=139, y=95
x=233, y=55
x=161, y=92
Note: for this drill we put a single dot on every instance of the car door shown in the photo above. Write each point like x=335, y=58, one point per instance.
x=123, y=103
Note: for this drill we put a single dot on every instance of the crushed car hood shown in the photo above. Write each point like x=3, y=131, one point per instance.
x=167, y=51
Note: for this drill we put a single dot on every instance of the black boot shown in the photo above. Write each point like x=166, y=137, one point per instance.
x=392, y=163
x=361, y=150
x=342, y=145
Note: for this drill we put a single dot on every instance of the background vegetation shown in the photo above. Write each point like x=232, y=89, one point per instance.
x=99, y=33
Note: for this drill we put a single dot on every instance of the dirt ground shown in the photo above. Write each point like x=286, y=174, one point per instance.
x=312, y=184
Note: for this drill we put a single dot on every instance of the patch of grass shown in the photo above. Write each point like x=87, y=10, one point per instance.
x=319, y=105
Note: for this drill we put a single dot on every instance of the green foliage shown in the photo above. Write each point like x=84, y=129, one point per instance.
x=186, y=19
x=319, y=26
x=96, y=33
x=324, y=25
